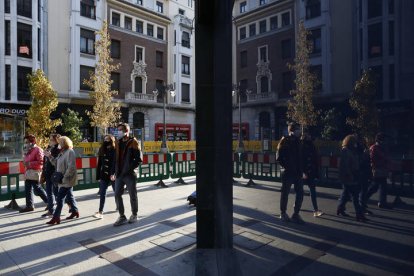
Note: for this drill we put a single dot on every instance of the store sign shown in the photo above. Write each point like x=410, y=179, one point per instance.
x=13, y=111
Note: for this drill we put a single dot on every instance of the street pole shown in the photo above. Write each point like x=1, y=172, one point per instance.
x=241, y=146
x=164, y=133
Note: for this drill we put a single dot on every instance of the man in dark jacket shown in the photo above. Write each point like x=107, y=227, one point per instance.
x=128, y=158
x=288, y=156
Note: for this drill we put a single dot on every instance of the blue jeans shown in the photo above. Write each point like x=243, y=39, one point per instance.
x=62, y=194
x=52, y=193
x=312, y=189
x=348, y=190
x=103, y=187
x=287, y=181
x=130, y=181
x=31, y=188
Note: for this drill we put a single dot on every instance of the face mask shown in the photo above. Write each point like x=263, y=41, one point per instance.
x=121, y=134
x=59, y=146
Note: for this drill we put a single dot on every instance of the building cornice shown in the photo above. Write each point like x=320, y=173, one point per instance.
x=140, y=9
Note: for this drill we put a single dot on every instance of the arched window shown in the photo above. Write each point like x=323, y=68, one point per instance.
x=264, y=84
x=138, y=85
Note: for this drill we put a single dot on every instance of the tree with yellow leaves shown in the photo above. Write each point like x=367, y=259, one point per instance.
x=363, y=103
x=301, y=109
x=105, y=111
x=44, y=102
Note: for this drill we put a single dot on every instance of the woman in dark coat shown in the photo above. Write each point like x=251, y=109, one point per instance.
x=310, y=169
x=104, y=170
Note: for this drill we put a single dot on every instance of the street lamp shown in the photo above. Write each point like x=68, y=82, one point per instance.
x=165, y=89
x=237, y=91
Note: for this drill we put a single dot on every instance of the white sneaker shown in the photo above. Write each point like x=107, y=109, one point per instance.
x=317, y=213
x=132, y=219
x=98, y=215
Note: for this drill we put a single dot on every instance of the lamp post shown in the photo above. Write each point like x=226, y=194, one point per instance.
x=165, y=89
x=237, y=91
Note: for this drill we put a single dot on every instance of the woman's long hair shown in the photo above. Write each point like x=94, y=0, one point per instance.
x=103, y=148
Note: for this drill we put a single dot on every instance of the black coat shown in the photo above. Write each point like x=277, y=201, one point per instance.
x=128, y=157
x=288, y=156
x=106, y=164
x=310, y=159
x=48, y=168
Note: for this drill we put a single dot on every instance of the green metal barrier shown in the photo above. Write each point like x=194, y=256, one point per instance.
x=155, y=166
x=260, y=166
x=184, y=164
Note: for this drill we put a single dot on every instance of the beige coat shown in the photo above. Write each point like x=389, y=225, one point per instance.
x=65, y=163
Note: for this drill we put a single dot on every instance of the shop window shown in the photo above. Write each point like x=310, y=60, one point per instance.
x=116, y=81
x=24, y=40
x=85, y=72
x=87, y=42
x=23, y=93
x=24, y=8
x=116, y=19
x=160, y=33
x=243, y=59
x=128, y=23
x=115, y=48
x=138, y=84
x=313, y=8
x=139, y=26
x=88, y=8
x=375, y=40
x=159, y=58
x=242, y=31
x=185, y=39
x=150, y=30
x=286, y=46
x=185, y=65
x=185, y=92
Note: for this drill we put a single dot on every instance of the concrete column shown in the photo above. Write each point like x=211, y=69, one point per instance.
x=214, y=123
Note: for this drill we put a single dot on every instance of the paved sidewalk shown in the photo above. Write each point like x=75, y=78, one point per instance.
x=162, y=242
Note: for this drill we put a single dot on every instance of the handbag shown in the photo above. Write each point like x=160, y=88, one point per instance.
x=57, y=178
x=31, y=174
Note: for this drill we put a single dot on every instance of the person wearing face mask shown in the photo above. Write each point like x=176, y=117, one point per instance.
x=288, y=156
x=52, y=151
x=128, y=158
x=348, y=175
x=33, y=163
x=105, y=170
x=65, y=164
x=380, y=164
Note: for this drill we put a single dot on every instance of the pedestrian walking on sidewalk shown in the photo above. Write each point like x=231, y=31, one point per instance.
x=380, y=163
x=364, y=172
x=33, y=164
x=65, y=177
x=288, y=156
x=105, y=170
x=128, y=158
x=310, y=169
x=48, y=170
x=348, y=175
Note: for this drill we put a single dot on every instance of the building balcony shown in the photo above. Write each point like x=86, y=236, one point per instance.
x=261, y=97
x=133, y=97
